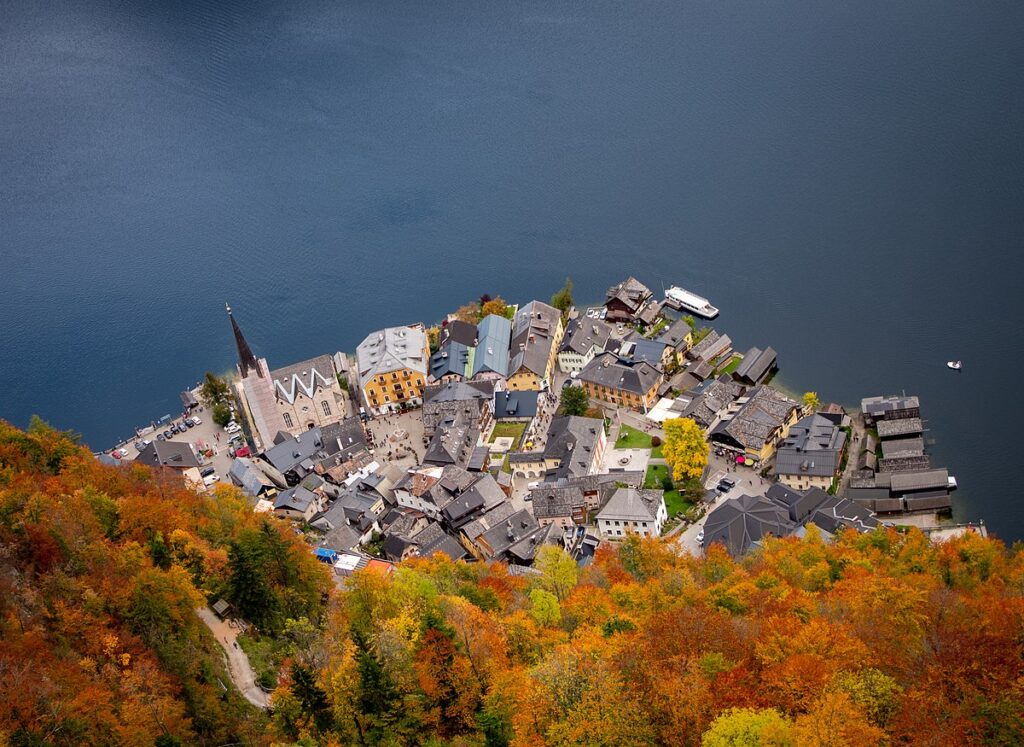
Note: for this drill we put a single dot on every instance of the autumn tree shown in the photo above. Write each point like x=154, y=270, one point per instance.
x=557, y=570
x=811, y=402
x=685, y=449
x=574, y=401
x=496, y=306
x=214, y=391
x=562, y=300
x=544, y=607
x=749, y=727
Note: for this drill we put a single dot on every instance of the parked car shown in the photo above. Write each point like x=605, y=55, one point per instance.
x=726, y=484
x=208, y=471
x=168, y=435
x=243, y=451
x=139, y=446
x=188, y=423
x=211, y=479
x=232, y=428
x=195, y=420
x=161, y=437
x=700, y=536
x=119, y=453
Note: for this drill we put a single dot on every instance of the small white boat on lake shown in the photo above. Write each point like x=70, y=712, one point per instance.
x=955, y=365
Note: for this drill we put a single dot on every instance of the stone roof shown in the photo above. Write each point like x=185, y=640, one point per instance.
x=391, y=349
x=711, y=399
x=451, y=359
x=632, y=504
x=903, y=447
x=452, y=443
x=900, y=427
x=251, y=480
x=630, y=292
x=434, y=539
x=879, y=407
x=294, y=450
x=763, y=412
x=608, y=370
x=552, y=501
x=506, y=533
x=713, y=344
x=533, y=333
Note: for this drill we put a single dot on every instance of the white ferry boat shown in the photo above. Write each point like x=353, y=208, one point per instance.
x=680, y=298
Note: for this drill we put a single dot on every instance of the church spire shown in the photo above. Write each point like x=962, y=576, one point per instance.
x=246, y=360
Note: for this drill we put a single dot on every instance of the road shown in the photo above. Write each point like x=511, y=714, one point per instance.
x=238, y=663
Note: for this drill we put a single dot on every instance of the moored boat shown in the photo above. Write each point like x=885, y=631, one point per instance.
x=682, y=299
x=955, y=365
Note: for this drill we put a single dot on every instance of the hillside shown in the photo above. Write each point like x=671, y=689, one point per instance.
x=875, y=639
x=101, y=571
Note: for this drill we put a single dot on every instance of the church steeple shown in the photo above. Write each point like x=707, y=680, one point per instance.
x=246, y=360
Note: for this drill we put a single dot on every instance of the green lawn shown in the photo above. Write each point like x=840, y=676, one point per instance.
x=674, y=500
x=631, y=438
x=656, y=452
x=509, y=430
x=732, y=365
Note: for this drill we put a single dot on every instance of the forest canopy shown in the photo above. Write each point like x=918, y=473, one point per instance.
x=880, y=638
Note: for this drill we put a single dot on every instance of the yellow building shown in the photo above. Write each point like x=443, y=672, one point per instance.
x=393, y=368
x=622, y=382
x=536, y=336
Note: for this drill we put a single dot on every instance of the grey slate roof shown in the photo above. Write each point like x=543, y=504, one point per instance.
x=756, y=365
x=814, y=448
x=675, y=334
x=880, y=407
x=903, y=447
x=452, y=443
x=632, y=504
x=584, y=334
x=515, y=404
x=173, y=454
x=551, y=501
x=743, y=521
x=451, y=359
x=434, y=539
x=710, y=347
x=251, y=480
x=458, y=331
x=342, y=439
x=610, y=371
x=296, y=499
x=641, y=349
x=533, y=334
x=630, y=292
x=573, y=440
x=290, y=453
x=504, y=534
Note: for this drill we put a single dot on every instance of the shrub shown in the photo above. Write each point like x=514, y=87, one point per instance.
x=655, y=441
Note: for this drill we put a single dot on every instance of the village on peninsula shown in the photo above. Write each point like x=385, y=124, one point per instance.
x=505, y=428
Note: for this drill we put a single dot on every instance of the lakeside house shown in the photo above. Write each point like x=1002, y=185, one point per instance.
x=756, y=366
x=626, y=301
x=392, y=366
x=678, y=336
x=472, y=352
x=536, y=335
x=755, y=424
x=574, y=447
x=811, y=455
x=584, y=338
x=621, y=382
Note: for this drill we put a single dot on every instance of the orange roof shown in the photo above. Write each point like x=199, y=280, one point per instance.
x=381, y=566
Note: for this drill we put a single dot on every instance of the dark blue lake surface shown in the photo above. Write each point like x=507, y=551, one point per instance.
x=845, y=180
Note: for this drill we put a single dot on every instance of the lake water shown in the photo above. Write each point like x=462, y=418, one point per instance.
x=845, y=180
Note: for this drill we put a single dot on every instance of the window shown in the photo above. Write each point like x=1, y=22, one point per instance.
x=287, y=419
x=394, y=376
x=327, y=407
x=387, y=398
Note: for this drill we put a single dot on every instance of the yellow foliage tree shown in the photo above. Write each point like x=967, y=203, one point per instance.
x=685, y=449
x=740, y=727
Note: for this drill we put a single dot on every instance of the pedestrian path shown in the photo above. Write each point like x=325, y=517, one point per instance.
x=238, y=663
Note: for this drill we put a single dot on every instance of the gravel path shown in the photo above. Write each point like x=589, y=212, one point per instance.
x=238, y=663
